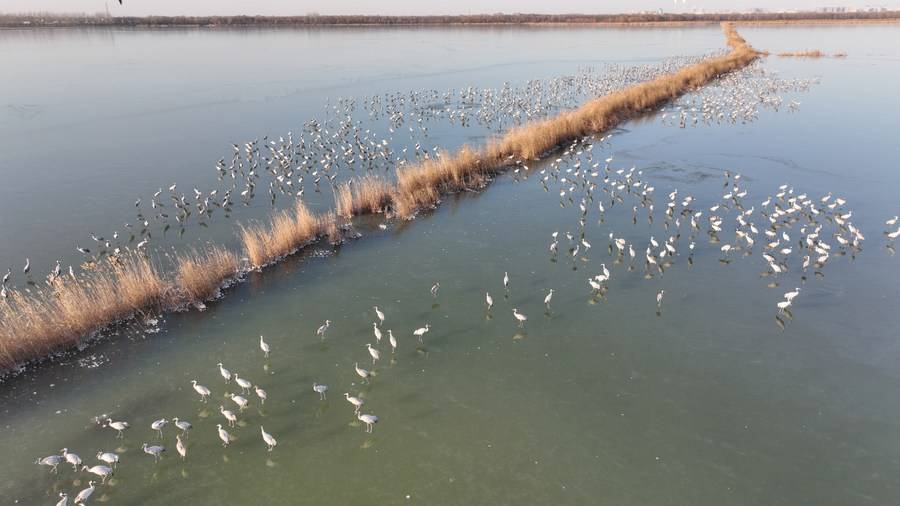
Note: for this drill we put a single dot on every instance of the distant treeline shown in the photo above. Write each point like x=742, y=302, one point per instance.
x=19, y=20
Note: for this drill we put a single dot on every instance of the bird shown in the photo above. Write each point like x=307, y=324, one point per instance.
x=376, y=331
x=223, y=435
x=261, y=394
x=368, y=419
x=548, y=298
x=86, y=493
x=783, y=305
x=659, y=298
x=320, y=389
x=434, y=289
x=421, y=331
x=244, y=384
x=240, y=401
x=323, y=328
x=229, y=415
x=71, y=458
x=100, y=470
x=180, y=447
x=356, y=401
x=374, y=353
x=506, y=281
x=379, y=314
x=64, y=499
x=264, y=346
x=520, y=317
x=270, y=441
x=392, y=340
x=51, y=461
x=158, y=426
x=488, y=300
x=27, y=266
x=184, y=425
x=202, y=390
x=118, y=426
x=362, y=373
x=108, y=457
x=790, y=296
x=224, y=372
x=155, y=450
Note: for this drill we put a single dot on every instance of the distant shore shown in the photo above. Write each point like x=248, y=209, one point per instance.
x=640, y=19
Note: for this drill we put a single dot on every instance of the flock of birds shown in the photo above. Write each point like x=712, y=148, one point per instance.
x=789, y=230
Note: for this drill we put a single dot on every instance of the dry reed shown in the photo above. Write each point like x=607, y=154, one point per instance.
x=200, y=274
x=363, y=195
x=811, y=53
x=43, y=320
x=287, y=232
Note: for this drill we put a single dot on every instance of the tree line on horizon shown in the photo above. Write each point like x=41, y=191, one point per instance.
x=102, y=19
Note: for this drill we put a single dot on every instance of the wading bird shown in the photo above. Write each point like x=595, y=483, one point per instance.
x=320, y=389
x=356, y=401
x=421, y=331
x=368, y=419
x=202, y=390
x=155, y=450
x=520, y=317
x=270, y=441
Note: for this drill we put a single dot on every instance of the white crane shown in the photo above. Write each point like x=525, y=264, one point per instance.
x=229, y=415
x=224, y=372
x=223, y=435
x=520, y=317
x=158, y=426
x=422, y=331
x=155, y=450
x=374, y=353
x=244, y=384
x=506, y=281
x=356, y=401
x=392, y=340
x=323, y=328
x=659, y=298
x=63, y=499
x=51, y=461
x=102, y=471
x=202, y=390
x=488, y=300
x=320, y=389
x=379, y=314
x=362, y=373
x=264, y=346
x=240, y=401
x=368, y=419
x=548, y=298
x=184, y=425
x=84, y=494
x=108, y=457
x=434, y=289
x=270, y=441
x=71, y=458
x=261, y=394
x=376, y=331
x=118, y=426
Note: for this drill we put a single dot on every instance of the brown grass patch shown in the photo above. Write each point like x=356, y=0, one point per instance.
x=200, y=274
x=363, y=195
x=810, y=53
x=40, y=321
x=285, y=233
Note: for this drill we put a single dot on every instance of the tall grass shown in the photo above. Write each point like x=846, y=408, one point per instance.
x=810, y=53
x=285, y=233
x=42, y=320
x=200, y=274
x=363, y=195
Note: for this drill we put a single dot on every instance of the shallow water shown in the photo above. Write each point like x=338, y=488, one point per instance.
x=596, y=400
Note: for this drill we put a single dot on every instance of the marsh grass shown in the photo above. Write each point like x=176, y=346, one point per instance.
x=810, y=53
x=200, y=273
x=364, y=195
x=285, y=233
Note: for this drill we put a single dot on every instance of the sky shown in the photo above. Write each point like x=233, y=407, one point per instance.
x=411, y=7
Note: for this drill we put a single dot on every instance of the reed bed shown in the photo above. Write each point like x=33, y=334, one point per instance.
x=285, y=233
x=39, y=321
x=42, y=320
x=200, y=274
x=363, y=195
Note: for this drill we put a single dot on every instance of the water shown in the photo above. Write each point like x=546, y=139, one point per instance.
x=595, y=401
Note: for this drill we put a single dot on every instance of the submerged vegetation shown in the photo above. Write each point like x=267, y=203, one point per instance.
x=39, y=321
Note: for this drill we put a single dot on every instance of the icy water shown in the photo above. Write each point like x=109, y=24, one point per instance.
x=597, y=400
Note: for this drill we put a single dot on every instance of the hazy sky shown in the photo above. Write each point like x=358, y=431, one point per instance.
x=288, y=7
